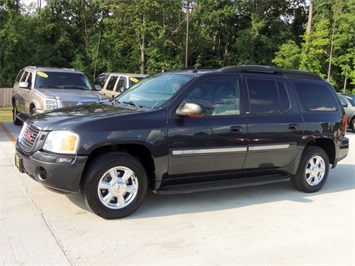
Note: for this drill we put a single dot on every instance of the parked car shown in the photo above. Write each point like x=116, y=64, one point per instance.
x=116, y=83
x=39, y=89
x=188, y=131
x=347, y=101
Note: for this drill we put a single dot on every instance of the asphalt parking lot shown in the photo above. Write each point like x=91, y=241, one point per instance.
x=263, y=225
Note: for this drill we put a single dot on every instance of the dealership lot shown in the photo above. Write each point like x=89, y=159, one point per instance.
x=272, y=224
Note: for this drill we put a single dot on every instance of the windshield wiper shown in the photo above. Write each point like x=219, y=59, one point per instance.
x=134, y=104
x=49, y=86
x=75, y=88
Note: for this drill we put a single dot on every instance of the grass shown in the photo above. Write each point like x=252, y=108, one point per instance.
x=6, y=114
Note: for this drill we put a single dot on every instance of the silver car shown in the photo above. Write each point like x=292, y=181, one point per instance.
x=116, y=83
x=347, y=101
x=39, y=89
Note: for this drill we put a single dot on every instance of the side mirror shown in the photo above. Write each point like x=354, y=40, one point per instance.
x=344, y=104
x=121, y=89
x=24, y=85
x=97, y=87
x=190, y=110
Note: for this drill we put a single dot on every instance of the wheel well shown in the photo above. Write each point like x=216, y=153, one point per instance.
x=140, y=152
x=328, y=146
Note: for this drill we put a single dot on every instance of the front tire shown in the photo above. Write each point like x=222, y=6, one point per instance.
x=114, y=185
x=313, y=170
x=17, y=122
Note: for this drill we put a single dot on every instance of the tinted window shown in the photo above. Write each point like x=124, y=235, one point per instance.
x=19, y=75
x=285, y=100
x=100, y=80
x=342, y=100
x=315, y=97
x=29, y=80
x=155, y=91
x=24, y=77
x=263, y=96
x=121, y=85
x=111, y=83
x=61, y=80
x=351, y=99
x=218, y=96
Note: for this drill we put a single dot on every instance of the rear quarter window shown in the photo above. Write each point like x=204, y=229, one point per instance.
x=316, y=96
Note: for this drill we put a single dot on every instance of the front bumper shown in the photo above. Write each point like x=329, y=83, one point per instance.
x=59, y=172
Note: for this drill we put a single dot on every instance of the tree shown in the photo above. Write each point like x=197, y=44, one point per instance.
x=288, y=56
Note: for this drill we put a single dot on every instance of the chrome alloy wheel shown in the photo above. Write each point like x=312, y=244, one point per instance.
x=315, y=170
x=118, y=187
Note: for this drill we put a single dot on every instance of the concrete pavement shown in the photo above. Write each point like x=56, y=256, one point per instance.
x=268, y=225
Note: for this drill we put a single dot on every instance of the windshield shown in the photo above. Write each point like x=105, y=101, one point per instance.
x=153, y=92
x=62, y=80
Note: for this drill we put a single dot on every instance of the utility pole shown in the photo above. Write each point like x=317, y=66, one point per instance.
x=310, y=17
x=187, y=34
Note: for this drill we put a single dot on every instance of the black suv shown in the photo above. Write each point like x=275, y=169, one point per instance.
x=189, y=131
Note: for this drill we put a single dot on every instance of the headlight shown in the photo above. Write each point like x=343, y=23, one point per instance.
x=61, y=142
x=49, y=104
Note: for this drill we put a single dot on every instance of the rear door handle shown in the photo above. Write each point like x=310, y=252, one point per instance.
x=293, y=126
x=236, y=128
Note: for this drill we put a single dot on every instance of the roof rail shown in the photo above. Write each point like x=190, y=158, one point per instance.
x=291, y=73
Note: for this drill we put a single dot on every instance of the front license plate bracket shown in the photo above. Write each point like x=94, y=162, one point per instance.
x=18, y=163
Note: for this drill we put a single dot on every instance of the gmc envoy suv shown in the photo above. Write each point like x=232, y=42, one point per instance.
x=39, y=89
x=189, y=131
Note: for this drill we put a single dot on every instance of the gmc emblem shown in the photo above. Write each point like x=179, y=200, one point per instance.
x=28, y=135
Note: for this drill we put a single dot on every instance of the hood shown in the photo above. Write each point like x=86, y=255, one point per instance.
x=66, y=117
x=73, y=95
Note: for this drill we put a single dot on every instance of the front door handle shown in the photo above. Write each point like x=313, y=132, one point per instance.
x=236, y=128
x=293, y=126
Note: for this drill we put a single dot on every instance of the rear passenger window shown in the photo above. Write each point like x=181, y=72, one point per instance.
x=315, y=97
x=111, y=83
x=267, y=96
x=121, y=85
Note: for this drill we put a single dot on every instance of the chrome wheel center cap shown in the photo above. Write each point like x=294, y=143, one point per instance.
x=119, y=187
x=315, y=171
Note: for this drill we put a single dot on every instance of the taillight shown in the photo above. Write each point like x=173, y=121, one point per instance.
x=344, y=125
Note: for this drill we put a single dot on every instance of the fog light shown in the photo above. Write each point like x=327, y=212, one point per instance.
x=64, y=160
x=42, y=174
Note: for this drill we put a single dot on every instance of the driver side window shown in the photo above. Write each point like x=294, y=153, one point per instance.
x=219, y=97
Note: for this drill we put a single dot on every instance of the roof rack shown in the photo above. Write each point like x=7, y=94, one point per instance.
x=199, y=69
x=291, y=73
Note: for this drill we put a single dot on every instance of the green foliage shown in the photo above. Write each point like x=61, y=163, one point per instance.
x=288, y=56
x=314, y=51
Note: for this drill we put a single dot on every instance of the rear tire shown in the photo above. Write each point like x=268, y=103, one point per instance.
x=313, y=170
x=17, y=122
x=114, y=186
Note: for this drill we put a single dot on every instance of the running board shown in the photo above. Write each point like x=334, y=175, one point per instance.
x=223, y=184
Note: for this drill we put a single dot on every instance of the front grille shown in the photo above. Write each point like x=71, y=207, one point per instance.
x=76, y=103
x=28, y=137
